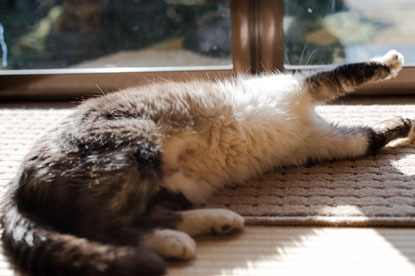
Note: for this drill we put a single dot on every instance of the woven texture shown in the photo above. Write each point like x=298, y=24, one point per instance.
x=370, y=191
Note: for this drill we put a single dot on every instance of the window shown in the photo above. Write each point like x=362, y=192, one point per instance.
x=52, y=34
x=80, y=47
x=343, y=31
x=110, y=44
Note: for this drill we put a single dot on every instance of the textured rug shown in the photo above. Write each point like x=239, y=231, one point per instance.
x=370, y=191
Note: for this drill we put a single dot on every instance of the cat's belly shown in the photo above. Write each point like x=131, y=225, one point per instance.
x=198, y=164
x=191, y=166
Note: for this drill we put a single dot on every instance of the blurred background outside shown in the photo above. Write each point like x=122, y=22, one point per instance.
x=43, y=34
x=340, y=31
x=47, y=34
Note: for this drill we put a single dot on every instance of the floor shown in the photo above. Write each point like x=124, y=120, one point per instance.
x=266, y=250
x=262, y=250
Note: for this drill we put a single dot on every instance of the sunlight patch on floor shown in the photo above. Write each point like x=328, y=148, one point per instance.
x=304, y=251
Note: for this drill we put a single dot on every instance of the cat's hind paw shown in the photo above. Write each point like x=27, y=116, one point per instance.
x=392, y=59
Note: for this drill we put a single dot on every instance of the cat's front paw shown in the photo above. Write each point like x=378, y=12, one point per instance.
x=392, y=59
x=170, y=244
x=179, y=246
x=206, y=221
x=226, y=222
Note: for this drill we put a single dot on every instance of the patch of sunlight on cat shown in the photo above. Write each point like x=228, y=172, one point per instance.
x=304, y=251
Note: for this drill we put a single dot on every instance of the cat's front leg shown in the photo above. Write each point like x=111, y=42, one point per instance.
x=210, y=221
x=178, y=244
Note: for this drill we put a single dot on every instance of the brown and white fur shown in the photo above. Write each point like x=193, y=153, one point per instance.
x=108, y=192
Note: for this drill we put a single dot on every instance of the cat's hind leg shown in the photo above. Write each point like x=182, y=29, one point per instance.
x=330, y=84
x=388, y=131
x=330, y=142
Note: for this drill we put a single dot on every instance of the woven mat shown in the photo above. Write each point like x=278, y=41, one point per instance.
x=370, y=191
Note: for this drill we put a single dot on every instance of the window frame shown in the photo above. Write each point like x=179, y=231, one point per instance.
x=257, y=47
x=270, y=52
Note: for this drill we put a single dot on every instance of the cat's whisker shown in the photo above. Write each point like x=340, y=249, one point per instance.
x=100, y=89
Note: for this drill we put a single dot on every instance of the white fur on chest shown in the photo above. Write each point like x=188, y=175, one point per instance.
x=266, y=125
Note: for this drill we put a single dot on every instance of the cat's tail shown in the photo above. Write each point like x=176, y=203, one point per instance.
x=44, y=251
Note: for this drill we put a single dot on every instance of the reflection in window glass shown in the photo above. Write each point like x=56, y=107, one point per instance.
x=339, y=31
x=41, y=34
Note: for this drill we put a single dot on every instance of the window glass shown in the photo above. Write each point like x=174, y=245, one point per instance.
x=45, y=34
x=339, y=31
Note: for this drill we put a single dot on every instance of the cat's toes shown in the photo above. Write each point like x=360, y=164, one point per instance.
x=226, y=222
x=170, y=244
x=394, y=60
x=179, y=246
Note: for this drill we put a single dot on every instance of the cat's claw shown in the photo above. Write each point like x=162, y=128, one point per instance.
x=394, y=60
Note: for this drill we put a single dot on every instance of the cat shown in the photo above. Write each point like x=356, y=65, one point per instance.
x=109, y=191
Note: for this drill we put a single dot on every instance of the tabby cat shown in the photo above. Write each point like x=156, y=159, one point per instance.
x=110, y=190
